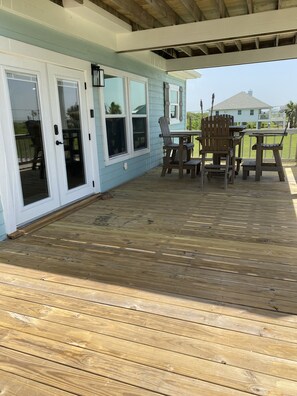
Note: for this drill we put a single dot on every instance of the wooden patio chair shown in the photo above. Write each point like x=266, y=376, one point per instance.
x=277, y=165
x=216, y=140
x=170, y=160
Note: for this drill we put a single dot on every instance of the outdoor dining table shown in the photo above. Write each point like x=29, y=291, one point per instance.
x=237, y=131
x=182, y=136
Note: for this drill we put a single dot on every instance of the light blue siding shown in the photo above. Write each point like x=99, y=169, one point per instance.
x=112, y=175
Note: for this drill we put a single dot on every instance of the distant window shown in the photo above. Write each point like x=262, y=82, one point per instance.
x=217, y=112
x=239, y=112
x=252, y=112
x=173, y=99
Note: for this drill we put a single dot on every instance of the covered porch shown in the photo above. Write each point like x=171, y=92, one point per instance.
x=157, y=288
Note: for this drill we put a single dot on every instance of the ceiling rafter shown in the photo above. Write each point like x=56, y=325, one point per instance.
x=221, y=47
x=238, y=44
x=180, y=29
x=164, y=11
x=187, y=50
x=250, y=6
x=204, y=49
x=222, y=9
x=134, y=12
x=194, y=10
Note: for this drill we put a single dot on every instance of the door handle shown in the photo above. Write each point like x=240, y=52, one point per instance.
x=58, y=142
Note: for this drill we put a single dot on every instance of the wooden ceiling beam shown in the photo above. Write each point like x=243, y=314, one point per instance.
x=233, y=58
x=219, y=30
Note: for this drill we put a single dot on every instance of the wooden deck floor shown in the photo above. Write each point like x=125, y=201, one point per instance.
x=160, y=290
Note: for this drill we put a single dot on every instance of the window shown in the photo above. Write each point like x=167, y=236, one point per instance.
x=239, y=112
x=139, y=114
x=125, y=101
x=252, y=112
x=217, y=112
x=173, y=103
x=115, y=115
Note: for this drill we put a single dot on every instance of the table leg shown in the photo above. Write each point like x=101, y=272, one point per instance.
x=259, y=154
x=180, y=156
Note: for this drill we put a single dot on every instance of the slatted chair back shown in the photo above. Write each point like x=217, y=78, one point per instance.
x=285, y=133
x=164, y=126
x=215, y=134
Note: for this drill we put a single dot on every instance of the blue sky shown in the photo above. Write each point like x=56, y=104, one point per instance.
x=274, y=83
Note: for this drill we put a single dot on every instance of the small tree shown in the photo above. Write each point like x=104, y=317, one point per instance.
x=291, y=109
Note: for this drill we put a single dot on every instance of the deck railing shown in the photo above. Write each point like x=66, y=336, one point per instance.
x=289, y=144
x=25, y=148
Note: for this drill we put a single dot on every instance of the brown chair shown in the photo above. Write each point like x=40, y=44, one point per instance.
x=170, y=160
x=34, y=129
x=277, y=165
x=216, y=140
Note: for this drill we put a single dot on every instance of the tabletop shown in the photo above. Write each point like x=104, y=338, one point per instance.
x=185, y=133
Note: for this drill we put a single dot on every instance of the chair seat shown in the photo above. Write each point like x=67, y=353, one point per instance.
x=175, y=146
x=269, y=146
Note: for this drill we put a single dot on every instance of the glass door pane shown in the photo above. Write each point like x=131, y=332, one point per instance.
x=69, y=101
x=28, y=133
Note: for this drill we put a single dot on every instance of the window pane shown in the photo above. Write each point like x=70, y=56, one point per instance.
x=173, y=96
x=72, y=135
x=116, y=136
x=137, y=97
x=24, y=98
x=139, y=133
x=114, y=95
x=173, y=111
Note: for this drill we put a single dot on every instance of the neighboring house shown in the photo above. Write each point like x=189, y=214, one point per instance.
x=246, y=109
x=62, y=139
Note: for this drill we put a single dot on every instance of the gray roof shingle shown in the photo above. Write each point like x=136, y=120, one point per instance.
x=242, y=100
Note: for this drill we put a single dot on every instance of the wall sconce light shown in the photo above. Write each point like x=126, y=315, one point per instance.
x=97, y=76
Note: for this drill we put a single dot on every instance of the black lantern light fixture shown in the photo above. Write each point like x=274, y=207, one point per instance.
x=97, y=76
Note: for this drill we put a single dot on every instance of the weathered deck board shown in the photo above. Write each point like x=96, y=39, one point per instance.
x=161, y=290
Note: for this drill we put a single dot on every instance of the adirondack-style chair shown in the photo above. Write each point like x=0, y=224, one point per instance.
x=259, y=165
x=170, y=160
x=217, y=141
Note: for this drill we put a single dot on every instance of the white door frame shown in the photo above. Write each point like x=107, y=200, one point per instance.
x=56, y=73
x=8, y=188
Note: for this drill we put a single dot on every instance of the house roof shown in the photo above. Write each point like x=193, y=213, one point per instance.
x=195, y=34
x=242, y=100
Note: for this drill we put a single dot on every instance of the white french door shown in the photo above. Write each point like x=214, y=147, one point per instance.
x=71, y=133
x=46, y=136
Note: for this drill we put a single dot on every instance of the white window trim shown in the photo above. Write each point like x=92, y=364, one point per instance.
x=175, y=88
x=128, y=117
